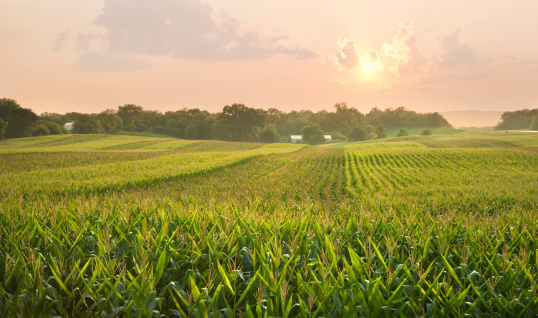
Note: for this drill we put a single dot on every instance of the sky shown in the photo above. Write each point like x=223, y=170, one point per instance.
x=90, y=55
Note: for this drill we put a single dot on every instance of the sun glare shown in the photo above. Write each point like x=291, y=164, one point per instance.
x=367, y=66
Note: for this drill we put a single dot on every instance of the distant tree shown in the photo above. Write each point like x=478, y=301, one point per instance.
x=55, y=128
x=380, y=132
x=6, y=107
x=41, y=130
x=110, y=122
x=515, y=120
x=358, y=134
x=191, y=132
x=173, y=127
x=402, y=133
x=337, y=136
x=534, y=123
x=239, y=123
x=21, y=122
x=370, y=131
x=72, y=116
x=159, y=129
x=426, y=132
x=3, y=126
x=312, y=135
x=269, y=134
x=131, y=116
x=87, y=124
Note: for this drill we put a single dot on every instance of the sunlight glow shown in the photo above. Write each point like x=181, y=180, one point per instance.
x=367, y=66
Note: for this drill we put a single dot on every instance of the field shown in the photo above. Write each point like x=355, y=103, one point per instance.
x=434, y=226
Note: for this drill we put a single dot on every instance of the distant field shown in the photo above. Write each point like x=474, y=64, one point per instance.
x=392, y=132
x=436, y=226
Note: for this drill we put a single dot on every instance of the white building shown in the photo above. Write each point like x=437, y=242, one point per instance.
x=297, y=139
x=68, y=126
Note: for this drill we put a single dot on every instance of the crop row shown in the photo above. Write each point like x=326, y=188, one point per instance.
x=109, y=261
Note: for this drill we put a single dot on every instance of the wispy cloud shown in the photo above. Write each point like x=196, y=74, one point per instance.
x=347, y=57
x=454, y=53
x=404, y=51
x=61, y=40
x=185, y=29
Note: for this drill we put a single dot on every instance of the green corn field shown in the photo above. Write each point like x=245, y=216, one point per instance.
x=424, y=226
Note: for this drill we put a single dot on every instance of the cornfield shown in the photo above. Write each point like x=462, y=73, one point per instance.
x=151, y=227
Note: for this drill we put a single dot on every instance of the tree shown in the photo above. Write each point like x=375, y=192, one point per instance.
x=41, y=130
x=337, y=136
x=357, y=134
x=239, y=123
x=173, y=127
x=402, y=133
x=312, y=135
x=191, y=131
x=87, y=124
x=3, y=126
x=21, y=122
x=110, y=122
x=534, y=123
x=131, y=115
x=6, y=107
x=55, y=128
x=380, y=132
x=426, y=132
x=269, y=134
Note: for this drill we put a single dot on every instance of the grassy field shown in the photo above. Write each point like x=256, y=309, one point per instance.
x=435, y=226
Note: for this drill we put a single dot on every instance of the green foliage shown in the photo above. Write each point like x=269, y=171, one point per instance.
x=337, y=136
x=21, y=122
x=269, y=134
x=88, y=124
x=7, y=106
x=426, y=132
x=380, y=132
x=131, y=116
x=312, y=135
x=174, y=128
x=516, y=120
x=239, y=123
x=402, y=133
x=358, y=134
x=55, y=128
x=534, y=123
x=191, y=132
x=41, y=130
x=3, y=126
x=110, y=122
x=202, y=229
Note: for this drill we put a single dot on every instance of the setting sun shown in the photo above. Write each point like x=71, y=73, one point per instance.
x=367, y=66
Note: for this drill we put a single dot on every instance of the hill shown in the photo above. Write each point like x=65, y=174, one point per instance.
x=472, y=118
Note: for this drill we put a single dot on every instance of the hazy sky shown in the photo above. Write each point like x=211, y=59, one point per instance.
x=90, y=55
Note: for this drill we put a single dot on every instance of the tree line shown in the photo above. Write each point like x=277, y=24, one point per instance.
x=235, y=122
x=519, y=119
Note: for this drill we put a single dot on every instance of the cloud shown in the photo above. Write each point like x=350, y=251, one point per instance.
x=185, y=29
x=348, y=56
x=61, y=40
x=454, y=53
x=371, y=61
x=97, y=62
x=404, y=50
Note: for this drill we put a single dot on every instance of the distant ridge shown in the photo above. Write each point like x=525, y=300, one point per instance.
x=472, y=118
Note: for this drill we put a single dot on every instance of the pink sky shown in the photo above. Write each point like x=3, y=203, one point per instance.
x=89, y=55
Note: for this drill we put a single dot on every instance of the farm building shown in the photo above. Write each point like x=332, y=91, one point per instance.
x=68, y=126
x=296, y=139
